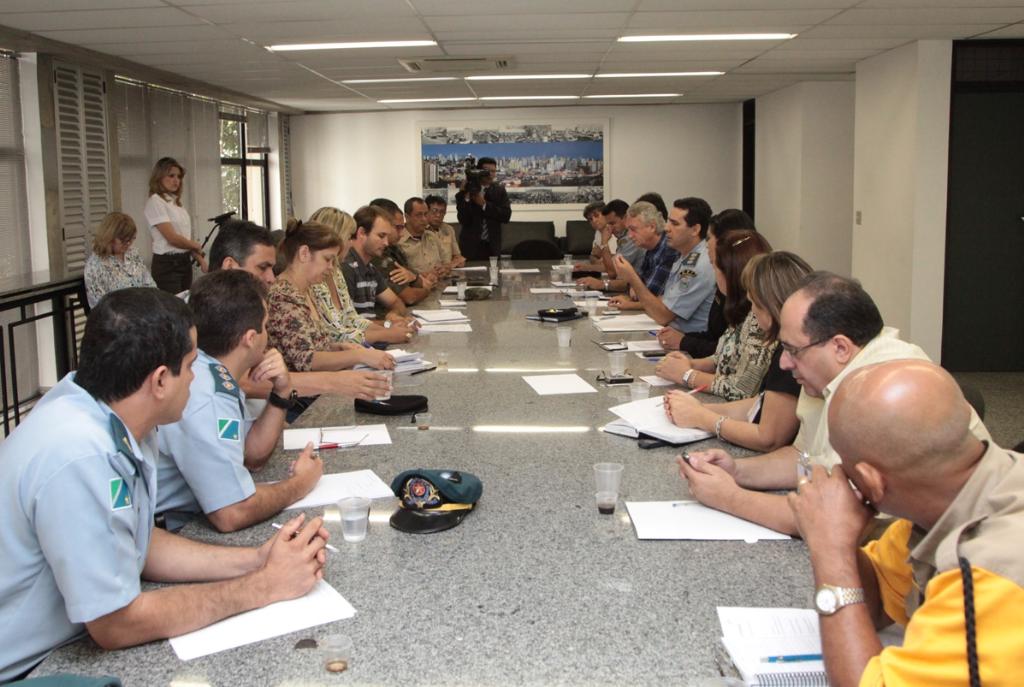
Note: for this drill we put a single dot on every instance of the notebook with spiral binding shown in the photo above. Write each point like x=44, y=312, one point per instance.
x=774, y=646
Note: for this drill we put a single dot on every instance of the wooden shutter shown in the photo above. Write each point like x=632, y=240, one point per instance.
x=82, y=157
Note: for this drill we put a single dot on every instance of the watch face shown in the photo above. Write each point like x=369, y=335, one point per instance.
x=826, y=601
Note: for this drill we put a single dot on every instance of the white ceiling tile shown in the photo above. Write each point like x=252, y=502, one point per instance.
x=485, y=24
x=903, y=4
x=100, y=19
x=672, y=21
x=769, y=66
x=588, y=51
x=1015, y=31
x=300, y=10
x=90, y=37
x=931, y=15
x=8, y=6
x=459, y=7
x=803, y=43
x=907, y=33
x=689, y=5
x=362, y=28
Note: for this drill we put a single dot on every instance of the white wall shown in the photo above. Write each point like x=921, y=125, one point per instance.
x=345, y=160
x=804, y=171
x=900, y=179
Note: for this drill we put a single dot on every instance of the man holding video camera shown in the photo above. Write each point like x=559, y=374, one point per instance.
x=483, y=207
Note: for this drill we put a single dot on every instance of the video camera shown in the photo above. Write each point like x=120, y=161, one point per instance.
x=474, y=177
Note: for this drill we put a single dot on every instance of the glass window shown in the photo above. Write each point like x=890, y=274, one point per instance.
x=244, y=182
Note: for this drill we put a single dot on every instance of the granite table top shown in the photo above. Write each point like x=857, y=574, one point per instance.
x=534, y=587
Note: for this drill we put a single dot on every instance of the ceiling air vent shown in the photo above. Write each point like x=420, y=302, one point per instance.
x=447, y=65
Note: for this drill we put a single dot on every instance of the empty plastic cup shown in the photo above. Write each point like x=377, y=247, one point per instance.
x=617, y=362
x=389, y=377
x=564, y=336
x=639, y=391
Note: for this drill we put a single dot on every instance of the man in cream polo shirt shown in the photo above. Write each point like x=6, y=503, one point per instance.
x=829, y=327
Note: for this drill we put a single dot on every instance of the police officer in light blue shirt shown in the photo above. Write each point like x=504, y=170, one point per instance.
x=77, y=494
x=205, y=457
x=690, y=289
x=690, y=286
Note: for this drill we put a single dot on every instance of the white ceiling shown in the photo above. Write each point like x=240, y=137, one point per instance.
x=222, y=42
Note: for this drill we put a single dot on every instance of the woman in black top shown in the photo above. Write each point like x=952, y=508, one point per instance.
x=768, y=420
x=703, y=344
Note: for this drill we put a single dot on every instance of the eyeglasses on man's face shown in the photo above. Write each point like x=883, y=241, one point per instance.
x=795, y=351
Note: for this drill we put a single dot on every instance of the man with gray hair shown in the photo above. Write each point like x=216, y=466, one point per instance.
x=690, y=286
x=646, y=229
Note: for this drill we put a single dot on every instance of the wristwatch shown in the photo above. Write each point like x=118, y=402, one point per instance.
x=283, y=403
x=387, y=324
x=828, y=598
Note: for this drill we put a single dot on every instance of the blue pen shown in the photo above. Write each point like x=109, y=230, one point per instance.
x=653, y=332
x=793, y=658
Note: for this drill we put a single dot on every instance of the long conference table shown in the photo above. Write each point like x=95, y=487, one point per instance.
x=534, y=587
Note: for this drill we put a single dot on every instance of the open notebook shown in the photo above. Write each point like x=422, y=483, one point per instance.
x=774, y=646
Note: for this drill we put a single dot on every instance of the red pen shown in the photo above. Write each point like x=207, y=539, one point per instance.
x=699, y=389
x=323, y=446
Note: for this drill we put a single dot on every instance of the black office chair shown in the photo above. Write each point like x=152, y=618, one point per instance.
x=579, y=237
x=536, y=249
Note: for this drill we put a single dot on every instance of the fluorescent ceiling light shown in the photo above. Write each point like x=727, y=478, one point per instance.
x=637, y=95
x=709, y=37
x=531, y=97
x=514, y=77
x=350, y=46
x=640, y=75
x=424, y=100
x=415, y=78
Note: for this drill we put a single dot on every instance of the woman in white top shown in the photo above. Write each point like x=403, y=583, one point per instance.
x=171, y=229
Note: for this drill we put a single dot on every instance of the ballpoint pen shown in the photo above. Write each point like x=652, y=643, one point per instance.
x=277, y=526
x=792, y=658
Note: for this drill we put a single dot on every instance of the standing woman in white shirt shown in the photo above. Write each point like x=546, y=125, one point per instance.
x=171, y=229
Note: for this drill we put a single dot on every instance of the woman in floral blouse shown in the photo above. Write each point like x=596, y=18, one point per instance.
x=331, y=293
x=113, y=264
x=744, y=352
x=295, y=326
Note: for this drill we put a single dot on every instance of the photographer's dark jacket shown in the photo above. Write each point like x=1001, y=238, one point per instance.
x=481, y=226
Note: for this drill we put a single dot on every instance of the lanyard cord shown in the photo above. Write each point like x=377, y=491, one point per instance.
x=972, y=646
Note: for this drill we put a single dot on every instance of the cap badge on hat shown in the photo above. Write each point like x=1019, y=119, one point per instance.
x=419, y=493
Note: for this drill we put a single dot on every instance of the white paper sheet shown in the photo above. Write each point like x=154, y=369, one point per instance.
x=440, y=328
x=440, y=315
x=550, y=385
x=366, y=435
x=691, y=520
x=525, y=270
x=477, y=268
x=648, y=416
x=451, y=303
x=655, y=380
x=323, y=604
x=546, y=290
x=643, y=346
x=339, y=485
x=454, y=289
x=626, y=323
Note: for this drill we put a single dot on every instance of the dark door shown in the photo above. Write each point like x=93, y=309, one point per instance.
x=983, y=320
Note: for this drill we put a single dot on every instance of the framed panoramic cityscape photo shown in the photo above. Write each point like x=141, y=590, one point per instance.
x=543, y=165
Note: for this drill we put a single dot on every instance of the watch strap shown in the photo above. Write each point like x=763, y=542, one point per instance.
x=279, y=402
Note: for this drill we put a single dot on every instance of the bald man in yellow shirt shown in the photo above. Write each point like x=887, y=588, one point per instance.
x=951, y=569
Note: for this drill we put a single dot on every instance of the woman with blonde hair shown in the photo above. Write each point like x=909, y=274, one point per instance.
x=171, y=228
x=295, y=326
x=331, y=293
x=113, y=264
x=768, y=420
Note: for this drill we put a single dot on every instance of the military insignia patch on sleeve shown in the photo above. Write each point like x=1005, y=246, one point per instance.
x=691, y=259
x=228, y=429
x=120, y=497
